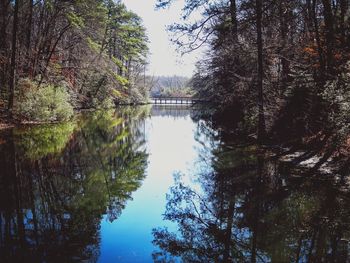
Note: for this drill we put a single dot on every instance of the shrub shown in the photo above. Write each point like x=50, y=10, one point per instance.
x=97, y=91
x=44, y=103
x=337, y=96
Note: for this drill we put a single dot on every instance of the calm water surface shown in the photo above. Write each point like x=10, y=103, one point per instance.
x=161, y=185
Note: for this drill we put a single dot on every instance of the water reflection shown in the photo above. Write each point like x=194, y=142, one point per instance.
x=253, y=208
x=57, y=181
x=174, y=111
x=93, y=190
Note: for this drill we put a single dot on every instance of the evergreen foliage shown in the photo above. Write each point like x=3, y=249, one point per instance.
x=279, y=67
x=98, y=48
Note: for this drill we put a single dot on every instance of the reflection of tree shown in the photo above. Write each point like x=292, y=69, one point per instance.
x=111, y=154
x=39, y=141
x=52, y=198
x=254, y=209
x=207, y=221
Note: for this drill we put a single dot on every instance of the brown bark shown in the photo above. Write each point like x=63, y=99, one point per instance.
x=234, y=22
x=3, y=24
x=29, y=25
x=13, y=58
x=329, y=27
x=309, y=16
x=3, y=44
x=261, y=117
x=343, y=11
x=283, y=29
x=317, y=36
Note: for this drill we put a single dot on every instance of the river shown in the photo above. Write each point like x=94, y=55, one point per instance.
x=161, y=184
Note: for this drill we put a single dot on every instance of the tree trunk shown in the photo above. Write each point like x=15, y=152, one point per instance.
x=328, y=20
x=29, y=25
x=317, y=36
x=343, y=11
x=283, y=28
x=13, y=59
x=234, y=22
x=28, y=38
x=3, y=24
x=261, y=120
x=309, y=17
x=3, y=45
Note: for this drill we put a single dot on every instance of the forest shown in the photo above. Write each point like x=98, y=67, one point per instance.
x=277, y=70
x=171, y=86
x=57, y=56
x=256, y=169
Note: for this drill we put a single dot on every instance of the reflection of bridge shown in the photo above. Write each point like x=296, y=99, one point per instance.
x=175, y=100
x=171, y=110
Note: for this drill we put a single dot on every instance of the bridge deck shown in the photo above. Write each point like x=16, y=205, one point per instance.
x=174, y=100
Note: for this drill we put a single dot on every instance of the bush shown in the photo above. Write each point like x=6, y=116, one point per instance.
x=337, y=96
x=105, y=103
x=44, y=103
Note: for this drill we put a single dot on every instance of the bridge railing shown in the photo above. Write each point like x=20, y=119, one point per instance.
x=173, y=100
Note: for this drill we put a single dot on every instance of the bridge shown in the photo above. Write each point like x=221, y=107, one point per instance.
x=175, y=100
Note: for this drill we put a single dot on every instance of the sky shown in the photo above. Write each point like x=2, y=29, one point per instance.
x=163, y=58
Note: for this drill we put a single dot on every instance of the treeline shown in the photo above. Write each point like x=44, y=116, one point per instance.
x=60, y=55
x=171, y=86
x=277, y=68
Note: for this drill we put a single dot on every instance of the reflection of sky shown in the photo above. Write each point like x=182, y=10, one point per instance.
x=171, y=145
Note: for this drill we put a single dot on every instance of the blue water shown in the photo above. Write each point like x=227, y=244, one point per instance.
x=99, y=188
x=172, y=149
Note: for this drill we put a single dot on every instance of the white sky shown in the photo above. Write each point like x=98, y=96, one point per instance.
x=163, y=58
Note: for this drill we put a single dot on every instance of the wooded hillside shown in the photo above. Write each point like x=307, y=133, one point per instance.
x=280, y=69
x=86, y=53
x=171, y=86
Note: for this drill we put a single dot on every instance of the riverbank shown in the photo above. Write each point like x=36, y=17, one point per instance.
x=5, y=121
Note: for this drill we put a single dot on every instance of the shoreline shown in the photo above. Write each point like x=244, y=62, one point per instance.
x=8, y=123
